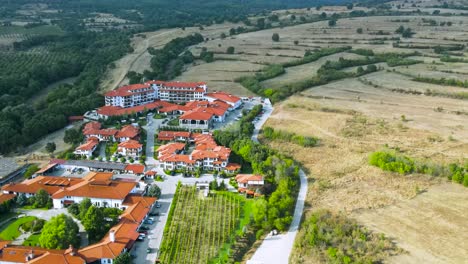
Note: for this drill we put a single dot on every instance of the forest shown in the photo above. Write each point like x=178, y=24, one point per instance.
x=74, y=50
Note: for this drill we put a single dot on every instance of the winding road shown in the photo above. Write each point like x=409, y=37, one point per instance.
x=277, y=249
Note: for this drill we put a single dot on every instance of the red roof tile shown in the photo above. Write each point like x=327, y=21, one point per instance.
x=135, y=168
x=196, y=115
x=227, y=97
x=130, y=144
x=127, y=90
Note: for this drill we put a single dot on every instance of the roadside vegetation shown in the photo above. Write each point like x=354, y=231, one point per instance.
x=333, y=238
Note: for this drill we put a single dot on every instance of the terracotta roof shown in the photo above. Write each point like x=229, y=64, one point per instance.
x=128, y=90
x=170, y=148
x=196, y=115
x=89, y=145
x=128, y=131
x=50, y=184
x=97, y=187
x=130, y=144
x=177, y=158
x=46, y=168
x=135, y=168
x=171, y=135
x=18, y=254
x=233, y=166
x=150, y=173
x=223, y=96
x=6, y=197
x=118, y=111
x=244, y=178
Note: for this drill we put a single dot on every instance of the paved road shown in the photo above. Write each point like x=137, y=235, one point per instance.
x=150, y=128
x=267, y=110
x=276, y=249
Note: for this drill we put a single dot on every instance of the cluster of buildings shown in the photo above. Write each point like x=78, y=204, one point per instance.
x=103, y=191
x=198, y=108
x=127, y=137
x=206, y=155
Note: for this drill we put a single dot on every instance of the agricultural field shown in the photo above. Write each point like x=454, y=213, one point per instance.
x=199, y=226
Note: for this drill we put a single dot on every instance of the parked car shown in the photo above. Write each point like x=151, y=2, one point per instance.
x=158, y=205
x=144, y=228
x=150, y=218
x=140, y=238
x=148, y=222
x=143, y=232
x=148, y=250
x=154, y=214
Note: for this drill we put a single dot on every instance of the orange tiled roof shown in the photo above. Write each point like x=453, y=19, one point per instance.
x=227, y=97
x=128, y=131
x=97, y=188
x=196, y=115
x=18, y=254
x=128, y=90
x=6, y=197
x=233, y=166
x=171, y=148
x=244, y=178
x=109, y=110
x=48, y=183
x=135, y=168
x=130, y=144
x=89, y=145
x=171, y=135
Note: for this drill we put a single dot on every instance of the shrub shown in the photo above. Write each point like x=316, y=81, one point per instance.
x=275, y=37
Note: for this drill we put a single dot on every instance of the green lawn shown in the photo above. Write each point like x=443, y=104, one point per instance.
x=31, y=207
x=33, y=240
x=11, y=231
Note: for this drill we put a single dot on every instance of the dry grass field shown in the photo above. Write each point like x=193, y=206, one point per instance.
x=353, y=117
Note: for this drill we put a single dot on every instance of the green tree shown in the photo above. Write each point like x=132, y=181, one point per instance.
x=332, y=22
x=59, y=233
x=85, y=204
x=94, y=222
x=275, y=37
x=230, y=50
x=232, y=31
x=359, y=30
x=50, y=147
x=123, y=258
x=154, y=191
x=261, y=23
x=41, y=199
x=74, y=210
x=222, y=35
x=30, y=171
x=349, y=6
x=259, y=211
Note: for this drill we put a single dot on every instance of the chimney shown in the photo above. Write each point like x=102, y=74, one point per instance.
x=70, y=250
x=112, y=236
x=30, y=255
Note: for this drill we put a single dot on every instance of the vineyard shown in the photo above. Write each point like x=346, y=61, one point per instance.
x=199, y=226
x=13, y=62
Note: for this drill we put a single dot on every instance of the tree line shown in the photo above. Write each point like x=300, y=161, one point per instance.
x=396, y=162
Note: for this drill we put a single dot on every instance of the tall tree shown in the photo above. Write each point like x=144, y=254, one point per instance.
x=85, y=204
x=94, y=222
x=154, y=191
x=123, y=258
x=59, y=233
x=41, y=199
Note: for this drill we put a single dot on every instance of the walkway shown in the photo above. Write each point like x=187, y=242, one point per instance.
x=277, y=249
